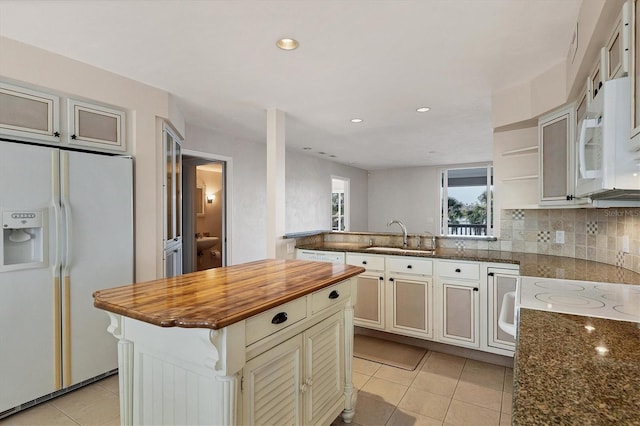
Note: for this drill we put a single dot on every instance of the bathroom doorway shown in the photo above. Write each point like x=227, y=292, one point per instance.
x=204, y=207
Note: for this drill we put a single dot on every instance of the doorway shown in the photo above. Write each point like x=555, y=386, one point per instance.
x=205, y=211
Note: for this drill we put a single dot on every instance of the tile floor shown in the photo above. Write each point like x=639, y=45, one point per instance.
x=443, y=390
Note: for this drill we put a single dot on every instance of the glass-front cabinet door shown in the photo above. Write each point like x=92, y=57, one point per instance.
x=29, y=114
x=172, y=187
x=96, y=126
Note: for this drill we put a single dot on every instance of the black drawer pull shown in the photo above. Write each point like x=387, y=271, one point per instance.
x=409, y=266
x=476, y=289
x=458, y=270
x=279, y=318
x=364, y=262
x=334, y=294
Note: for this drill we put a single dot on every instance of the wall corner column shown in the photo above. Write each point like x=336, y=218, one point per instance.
x=275, y=179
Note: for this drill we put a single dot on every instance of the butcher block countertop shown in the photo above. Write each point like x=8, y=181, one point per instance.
x=219, y=297
x=560, y=378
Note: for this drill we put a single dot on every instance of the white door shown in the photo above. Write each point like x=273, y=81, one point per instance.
x=98, y=205
x=411, y=306
x=29, y=298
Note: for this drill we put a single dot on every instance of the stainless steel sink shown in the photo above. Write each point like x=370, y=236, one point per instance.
x=401, y=250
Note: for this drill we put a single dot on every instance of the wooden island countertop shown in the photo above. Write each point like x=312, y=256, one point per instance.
x=217, y=298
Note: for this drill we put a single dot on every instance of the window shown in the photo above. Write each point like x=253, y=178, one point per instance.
x=466, y=193
x=339, y=204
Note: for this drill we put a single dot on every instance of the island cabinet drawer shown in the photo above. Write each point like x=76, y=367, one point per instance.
x=463, y=270
x=409, y=265
x=329, y=296
x=275, y=319
x=367, y=261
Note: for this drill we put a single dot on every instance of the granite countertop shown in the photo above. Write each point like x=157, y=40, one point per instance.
x=219, y=297
x=532, y=265
x=561, y=379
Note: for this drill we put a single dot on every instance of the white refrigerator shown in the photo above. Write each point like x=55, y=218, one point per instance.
x=67, y=230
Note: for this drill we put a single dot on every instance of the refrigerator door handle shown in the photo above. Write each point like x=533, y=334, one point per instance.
x=66, y=205
x=55, y=201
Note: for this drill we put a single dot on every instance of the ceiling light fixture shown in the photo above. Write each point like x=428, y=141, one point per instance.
x=423, y=109
x=287, y=43
x=357, y=120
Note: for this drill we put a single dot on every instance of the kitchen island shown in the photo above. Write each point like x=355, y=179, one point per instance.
x=263, y=342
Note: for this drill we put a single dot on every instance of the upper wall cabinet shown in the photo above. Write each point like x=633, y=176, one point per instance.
x=29, y=114
x=96, y=126
x=595, y=78
x=633, y=12
x=616, y=63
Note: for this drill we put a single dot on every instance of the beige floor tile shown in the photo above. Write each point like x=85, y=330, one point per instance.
x=505, y=419
x=507, y=399
x=372, y=410
x=425, y=403
x=89, y=405
x=396, y=375
x=435, y=383
x=478, y=395
x=483, y=374
x=508, y=380
x=464, y=414
x=444, y=364
x=402, y=417
x=114, y=421
x=359, y=379
x=110, y=384
x=388, y=391
x=364, y=366
x=43, y=414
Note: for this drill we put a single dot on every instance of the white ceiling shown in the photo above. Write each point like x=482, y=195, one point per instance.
x=376, y=60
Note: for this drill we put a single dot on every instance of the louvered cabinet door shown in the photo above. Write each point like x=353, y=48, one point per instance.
x=324, y=368
x=271, y=386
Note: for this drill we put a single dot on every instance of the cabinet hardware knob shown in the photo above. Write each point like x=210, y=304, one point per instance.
x=381, y=278
x=391, y=279
x=334, y=295
x=56, y=134
x=491, y=274
x=476, y=289
x=74, y=137
x=364, y=262
x=279, y=318
x=458, y=270
x=409, y=266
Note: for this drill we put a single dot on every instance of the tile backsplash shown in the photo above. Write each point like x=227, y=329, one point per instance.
x=593, y=234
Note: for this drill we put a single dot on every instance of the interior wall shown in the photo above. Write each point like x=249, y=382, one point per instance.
x=248, y=229
x=308, y=193
x=410, y=195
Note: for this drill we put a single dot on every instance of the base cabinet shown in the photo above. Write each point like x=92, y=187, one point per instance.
x=499, y=282
x=298, y=381
x=370, y=309
x=460, y=314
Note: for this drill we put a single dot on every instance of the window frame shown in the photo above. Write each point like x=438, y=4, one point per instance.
x=444, y=200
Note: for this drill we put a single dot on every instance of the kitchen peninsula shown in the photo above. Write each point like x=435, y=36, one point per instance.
x=265, y=342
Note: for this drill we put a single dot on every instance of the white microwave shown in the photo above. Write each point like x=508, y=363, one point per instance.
x=607, y=166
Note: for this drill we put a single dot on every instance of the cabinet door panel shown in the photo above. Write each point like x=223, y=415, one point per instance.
x=411, y=310
x=272, y=386
x=324, y=369
x=498, y=285
x=96, y=126
x=554, y=159
x=369, y=309
x=460, y=313
x=28, y=114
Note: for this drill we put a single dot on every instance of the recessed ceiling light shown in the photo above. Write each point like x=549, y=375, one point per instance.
x=423, y=109
x=307, y=148
x=332, y=156
x=287, y=43
x=357, y=120
x=321, y=152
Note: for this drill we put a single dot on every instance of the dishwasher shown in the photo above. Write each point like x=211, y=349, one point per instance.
x=321, y=256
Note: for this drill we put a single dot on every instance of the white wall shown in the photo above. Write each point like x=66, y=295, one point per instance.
x=248, y=231
x=308, y=193
x=410, y=195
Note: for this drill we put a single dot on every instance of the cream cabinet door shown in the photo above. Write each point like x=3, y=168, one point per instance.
x=272, y=386
x=411, y=302
x=96, y=126
x=499, y=282
x=323, y=383
x=459, y=316
x=369, y=309
x=27, y=114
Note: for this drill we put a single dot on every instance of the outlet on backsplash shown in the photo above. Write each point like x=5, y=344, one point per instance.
x=560, y=237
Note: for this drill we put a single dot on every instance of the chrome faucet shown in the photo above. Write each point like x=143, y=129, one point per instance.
x=404, y=231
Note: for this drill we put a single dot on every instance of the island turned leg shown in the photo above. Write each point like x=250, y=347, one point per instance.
x=349, y=394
